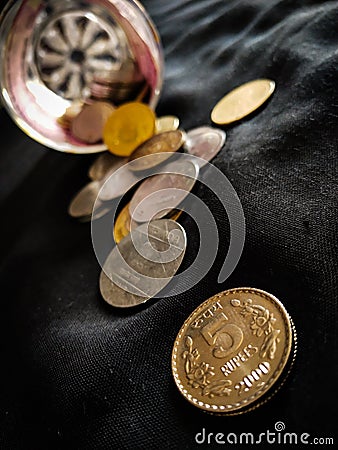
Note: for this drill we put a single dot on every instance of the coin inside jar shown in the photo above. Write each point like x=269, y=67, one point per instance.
x=232, y=350
x=161, y=193
x=242, y=101
x=159, y=148
x=88, y=125
x=205, y=143
x=143, y=263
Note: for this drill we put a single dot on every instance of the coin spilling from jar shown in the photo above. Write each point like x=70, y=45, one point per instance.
x=236, y=349
x=138, y=142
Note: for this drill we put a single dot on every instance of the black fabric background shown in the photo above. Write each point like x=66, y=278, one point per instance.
x=78, y=374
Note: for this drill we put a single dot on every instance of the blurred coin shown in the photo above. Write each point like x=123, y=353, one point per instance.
x=159, y=194
x=175, y=214
x=117, y=184
x=242, y=101
x=100, y=210
x=166, y=123
x=117, y=92
x=128, y=127
x=83, y=203
x=88, y=125
x=205, y=142
x=105, y=163
x=143, y=263
x=160, y=147
x=84, y=219
x=71, y=112
x=232, y=349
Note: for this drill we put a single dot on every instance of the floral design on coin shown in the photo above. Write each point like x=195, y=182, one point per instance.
x=223, y=362
x=262, y=322
x=200, y=373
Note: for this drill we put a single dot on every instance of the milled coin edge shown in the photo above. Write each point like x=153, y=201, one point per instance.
x=231, y=408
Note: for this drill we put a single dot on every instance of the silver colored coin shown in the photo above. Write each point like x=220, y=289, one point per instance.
x=205, y=142
x=161, y=193
x=143, y=263
x=104, y=164
x=117, y=185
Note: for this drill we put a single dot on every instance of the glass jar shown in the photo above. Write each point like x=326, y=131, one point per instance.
x=59, y=55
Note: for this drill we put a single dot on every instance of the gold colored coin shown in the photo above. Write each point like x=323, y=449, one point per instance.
x=232, y=350
x=242, y=101
x=166, y=123
x=69, y=115
x=128, y=127
x=86, y=206
x=158, y=149
x=122, y=226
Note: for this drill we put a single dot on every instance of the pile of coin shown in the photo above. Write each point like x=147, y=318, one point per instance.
x=204, y=142
x=236, y=349
x=132, y=133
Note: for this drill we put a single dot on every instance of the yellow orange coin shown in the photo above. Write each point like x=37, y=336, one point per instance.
x=122, y=224
x=128, y=127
